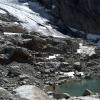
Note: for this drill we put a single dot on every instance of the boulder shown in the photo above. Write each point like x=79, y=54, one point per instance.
x=87, y=92
x=11, y=27
x=5, y=95
x=14, y=71
x=3, y=59
x=77, y=66
x=61, y=95
x=19, y=54
x=30, y=92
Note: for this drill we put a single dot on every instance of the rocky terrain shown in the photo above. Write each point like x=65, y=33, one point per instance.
x=34, y=52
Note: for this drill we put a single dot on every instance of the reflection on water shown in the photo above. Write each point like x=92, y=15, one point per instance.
x=77, y=88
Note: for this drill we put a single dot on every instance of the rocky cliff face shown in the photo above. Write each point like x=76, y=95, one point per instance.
x=80, y=14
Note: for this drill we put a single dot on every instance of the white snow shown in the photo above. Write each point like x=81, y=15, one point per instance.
x=28, y=18
x=69, y=74
x=53, y=57
x=86, y=50
x=25, y=92
x=10, y=33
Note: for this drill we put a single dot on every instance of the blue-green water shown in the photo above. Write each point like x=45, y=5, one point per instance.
x=77, y=88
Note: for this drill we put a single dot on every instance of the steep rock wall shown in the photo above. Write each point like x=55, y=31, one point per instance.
x=80, y=14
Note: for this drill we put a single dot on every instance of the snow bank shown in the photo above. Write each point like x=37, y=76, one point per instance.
x=86, y=50
x=9, y=33
x=70, y=74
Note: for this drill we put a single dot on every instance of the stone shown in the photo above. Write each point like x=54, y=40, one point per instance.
x=61, y=95
x=79, y=74
x=14, y=71
x=88, y=76
x=77, y=66
x=31, y=92
x=87, y=92
x=3, y=59
x=4, y=94
x=24, y=76
x=19, y=54
x=11, y=27
x=77, y=63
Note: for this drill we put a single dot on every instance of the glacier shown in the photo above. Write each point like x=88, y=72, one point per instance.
x=25, y=12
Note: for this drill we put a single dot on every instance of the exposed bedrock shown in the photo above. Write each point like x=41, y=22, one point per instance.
x=80, y=14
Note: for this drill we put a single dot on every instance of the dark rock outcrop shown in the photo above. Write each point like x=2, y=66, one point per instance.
x=87, y=92
x=61, y=95
x=80, y=14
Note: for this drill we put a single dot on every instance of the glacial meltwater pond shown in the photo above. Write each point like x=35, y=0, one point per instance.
x=77, y=88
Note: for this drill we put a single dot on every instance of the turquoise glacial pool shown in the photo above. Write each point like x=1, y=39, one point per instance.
x=76, y=88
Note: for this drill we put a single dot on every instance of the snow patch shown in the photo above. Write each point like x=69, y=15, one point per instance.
x=86, y=50
x=53, y=57
x=71, y=74
x=10, y=33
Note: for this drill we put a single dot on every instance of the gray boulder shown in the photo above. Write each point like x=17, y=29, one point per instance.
x=14, y=71
x=30, y=92
x=87, y=92
x=5, y=95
